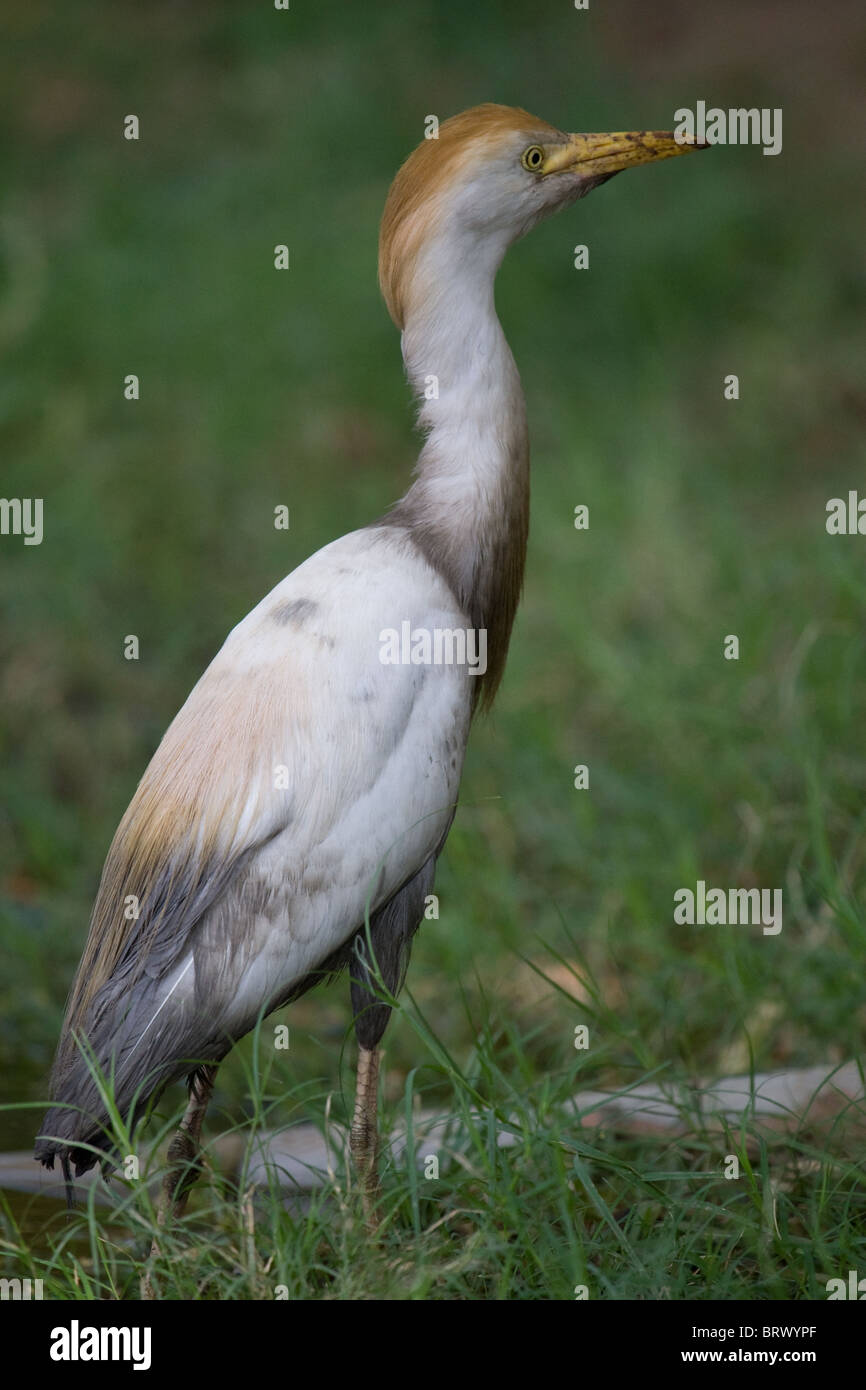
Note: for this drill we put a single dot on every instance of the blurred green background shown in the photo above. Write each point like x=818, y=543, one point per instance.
x=260, y=388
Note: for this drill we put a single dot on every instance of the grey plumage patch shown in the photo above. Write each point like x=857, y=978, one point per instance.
x=296, y=610
x=482, y=567
x=116, y=1023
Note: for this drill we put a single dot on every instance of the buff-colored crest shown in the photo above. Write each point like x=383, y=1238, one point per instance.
x=421, y=186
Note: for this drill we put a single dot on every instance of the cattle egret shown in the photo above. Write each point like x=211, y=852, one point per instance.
x=292, y=816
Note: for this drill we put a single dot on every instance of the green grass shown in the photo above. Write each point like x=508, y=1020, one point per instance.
x=559, y=1212
x=706, y=518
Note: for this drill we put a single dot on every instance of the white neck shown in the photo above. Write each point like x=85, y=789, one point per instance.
x=468, y=506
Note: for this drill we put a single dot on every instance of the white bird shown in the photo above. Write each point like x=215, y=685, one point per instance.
x=308, y=784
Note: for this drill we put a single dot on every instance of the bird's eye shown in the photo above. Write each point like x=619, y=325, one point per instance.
x=533, y=158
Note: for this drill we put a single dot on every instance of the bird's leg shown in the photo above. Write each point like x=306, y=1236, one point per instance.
x=184, y=1160
x=390, y=935
x=184, y=1151
x=364, y=1134
x=371, y=1020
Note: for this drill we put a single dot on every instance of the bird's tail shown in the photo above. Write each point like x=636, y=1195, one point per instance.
x=106, y=1076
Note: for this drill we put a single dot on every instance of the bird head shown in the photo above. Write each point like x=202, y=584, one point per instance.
x=491, y=174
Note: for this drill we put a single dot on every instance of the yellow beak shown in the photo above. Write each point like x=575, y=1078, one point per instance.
x=608, y=154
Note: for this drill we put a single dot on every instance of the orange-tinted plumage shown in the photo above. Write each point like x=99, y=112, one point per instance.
x=427, y=178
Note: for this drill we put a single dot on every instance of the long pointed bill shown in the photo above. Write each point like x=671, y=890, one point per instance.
x=608, y=154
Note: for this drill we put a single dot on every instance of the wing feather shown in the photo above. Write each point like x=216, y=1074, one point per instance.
x=301, y=779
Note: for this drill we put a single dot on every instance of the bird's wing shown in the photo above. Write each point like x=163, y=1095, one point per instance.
x=302, y=780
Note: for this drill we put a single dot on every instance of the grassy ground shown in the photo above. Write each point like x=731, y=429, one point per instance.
x=706, y=518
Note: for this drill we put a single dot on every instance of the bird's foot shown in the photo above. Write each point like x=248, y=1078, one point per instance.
x=364, y=1136
x=364, y=1146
